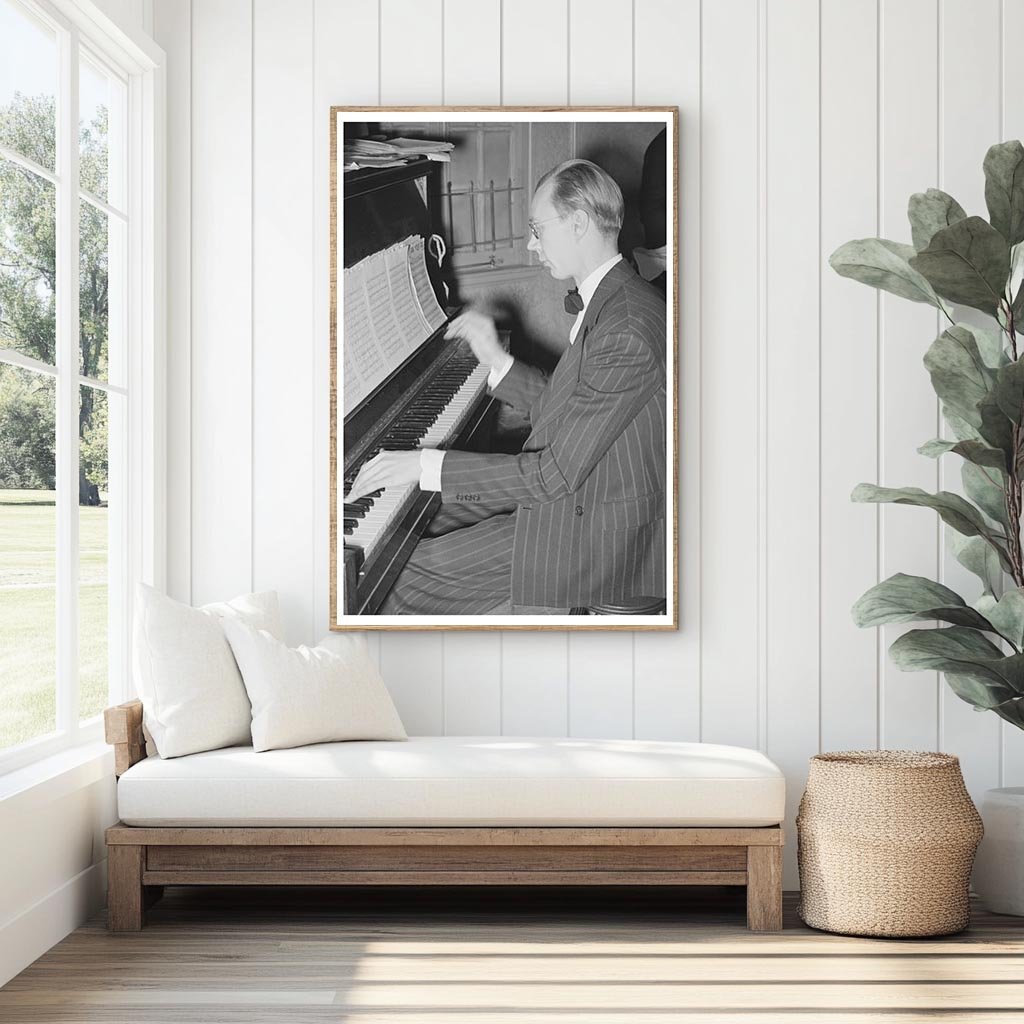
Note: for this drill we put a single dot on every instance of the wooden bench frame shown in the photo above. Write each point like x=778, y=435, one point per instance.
x=142, y=860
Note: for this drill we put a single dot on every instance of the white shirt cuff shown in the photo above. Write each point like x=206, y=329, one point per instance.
x=431, y=460
x=497, y=374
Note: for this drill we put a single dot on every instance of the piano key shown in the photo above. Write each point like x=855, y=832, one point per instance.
x=375, y=527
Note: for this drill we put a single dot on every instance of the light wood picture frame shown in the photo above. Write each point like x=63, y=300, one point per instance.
x=416, y=239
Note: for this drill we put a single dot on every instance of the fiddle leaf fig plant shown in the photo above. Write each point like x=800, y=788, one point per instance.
x=978, y=375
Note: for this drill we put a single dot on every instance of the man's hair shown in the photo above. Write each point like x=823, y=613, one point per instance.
x=582, y=185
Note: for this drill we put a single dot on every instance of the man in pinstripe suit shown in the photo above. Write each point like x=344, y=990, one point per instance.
x=578, y=517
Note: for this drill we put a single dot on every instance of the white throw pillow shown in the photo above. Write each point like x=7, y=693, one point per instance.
x=309, y=694
x=192, y=693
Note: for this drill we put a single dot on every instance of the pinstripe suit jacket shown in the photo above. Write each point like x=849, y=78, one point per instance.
x=589, y=484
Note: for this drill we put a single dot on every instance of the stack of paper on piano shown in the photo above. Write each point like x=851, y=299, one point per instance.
x=393, y=153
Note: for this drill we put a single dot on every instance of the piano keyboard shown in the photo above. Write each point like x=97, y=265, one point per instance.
x=434, y=416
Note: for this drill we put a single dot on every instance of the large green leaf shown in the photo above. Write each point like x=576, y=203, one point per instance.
x=903, y=598
x=996, y=427
x=964, y=652
x=953, y=509
x=990, y=345
x=1017, y=309
x=1016, y=278
x=1009, y=390
x=1004, y=189
x=979, y=557
x=986, y=488
x=962, y=430
x=967, y=263
x=883, y=264
x=959, y=374
x=1006, y=614
x=932, y=211
x=1011, y=710
x=983, y=694
x=973, y=451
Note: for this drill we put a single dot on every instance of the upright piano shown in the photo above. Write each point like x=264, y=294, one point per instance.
x=434, y=396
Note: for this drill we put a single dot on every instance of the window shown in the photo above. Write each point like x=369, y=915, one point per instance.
x=72, y=400
x=484, y=200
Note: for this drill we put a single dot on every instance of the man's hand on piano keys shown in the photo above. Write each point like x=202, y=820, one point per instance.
x=386, y=469
x=479, y=330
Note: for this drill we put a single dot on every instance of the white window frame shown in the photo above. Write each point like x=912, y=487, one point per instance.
x=141, y=65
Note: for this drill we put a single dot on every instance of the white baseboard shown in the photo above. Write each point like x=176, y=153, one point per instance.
x=28, y=936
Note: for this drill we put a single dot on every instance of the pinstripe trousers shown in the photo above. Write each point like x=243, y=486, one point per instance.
x=465, y=572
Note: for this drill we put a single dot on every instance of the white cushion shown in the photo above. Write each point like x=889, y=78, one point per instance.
x=309, y=694
x=191, y=691
x=460, y=780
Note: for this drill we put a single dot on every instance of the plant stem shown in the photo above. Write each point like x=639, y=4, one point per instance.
x=1012, y=498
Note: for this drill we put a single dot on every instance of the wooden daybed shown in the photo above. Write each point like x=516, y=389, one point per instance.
x=144, y=858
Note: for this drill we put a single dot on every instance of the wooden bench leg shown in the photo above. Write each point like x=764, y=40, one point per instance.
x=764, y=888
x=125, y=898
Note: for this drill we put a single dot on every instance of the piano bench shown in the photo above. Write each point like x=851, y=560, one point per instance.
x=638, y=606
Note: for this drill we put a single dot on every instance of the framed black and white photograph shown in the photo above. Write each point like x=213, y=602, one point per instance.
x=504, y=309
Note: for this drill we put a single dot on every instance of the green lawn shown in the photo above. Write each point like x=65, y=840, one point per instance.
x=28, y=617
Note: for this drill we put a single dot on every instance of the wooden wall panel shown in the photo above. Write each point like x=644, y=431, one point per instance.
x=731, y=322
x=968, y=125
x=472, y=661
x=601, y=52
x=411, y=71
x=600, y=685
x=1011, y=115
x=347, y=82
x=472, y=52
x=411, y=57
x=666, y=666
x=849, y=373
x=792, y=418
x=534, y=62
x=221, y=365
x=535, y=684
x=283, y=340
x=909, y=411
x=173, y=27
x=796, y=134
x=600, y=72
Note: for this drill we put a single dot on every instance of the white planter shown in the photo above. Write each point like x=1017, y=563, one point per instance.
x=999, y=866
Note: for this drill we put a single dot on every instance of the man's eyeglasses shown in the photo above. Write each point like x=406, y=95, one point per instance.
x=534, y=224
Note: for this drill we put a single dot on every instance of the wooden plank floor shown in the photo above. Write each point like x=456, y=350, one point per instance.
x=263, y=956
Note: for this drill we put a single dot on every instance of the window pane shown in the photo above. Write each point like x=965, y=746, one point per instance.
x=28, y=85
x=498, y=169
x=101, y=281
x=101, y=104
x=28, y=545
x=93, y=551
x=465, y=225
x=28, y=263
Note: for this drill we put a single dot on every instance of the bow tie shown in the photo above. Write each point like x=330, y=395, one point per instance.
x=573, y=302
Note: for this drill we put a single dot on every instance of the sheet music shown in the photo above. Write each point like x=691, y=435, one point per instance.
x=421, y=282
x=361, y=359
x=414, y=325
x=389, y=310
x=392, y=346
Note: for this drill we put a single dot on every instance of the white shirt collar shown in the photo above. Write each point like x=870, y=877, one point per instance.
x=589, y=284
x=587, y=288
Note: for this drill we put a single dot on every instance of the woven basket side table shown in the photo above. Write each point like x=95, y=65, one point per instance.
x=885, y=843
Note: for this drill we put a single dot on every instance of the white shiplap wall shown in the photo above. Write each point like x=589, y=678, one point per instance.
x=803, y=123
